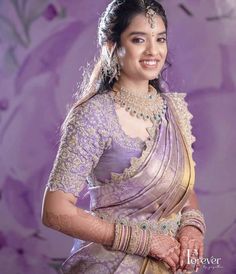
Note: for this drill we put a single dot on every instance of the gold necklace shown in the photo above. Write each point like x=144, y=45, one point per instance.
x=147, y=106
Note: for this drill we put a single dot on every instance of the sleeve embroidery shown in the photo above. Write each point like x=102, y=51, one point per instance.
x=184, y=115
x=80, y=149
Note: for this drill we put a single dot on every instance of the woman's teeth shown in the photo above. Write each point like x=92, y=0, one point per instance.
x=151, y=63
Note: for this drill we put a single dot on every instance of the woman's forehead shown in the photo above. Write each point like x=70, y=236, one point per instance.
x=140, y=23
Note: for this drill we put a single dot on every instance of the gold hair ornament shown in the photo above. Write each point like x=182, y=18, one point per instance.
x=150, y=14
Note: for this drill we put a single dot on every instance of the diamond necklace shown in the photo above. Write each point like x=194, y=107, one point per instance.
x=147, y=106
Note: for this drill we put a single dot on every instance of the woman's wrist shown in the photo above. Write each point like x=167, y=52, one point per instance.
x=193, y=217
x=132, y=240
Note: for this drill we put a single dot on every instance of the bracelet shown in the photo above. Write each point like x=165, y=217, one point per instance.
x=132, y=240
x=193, y=217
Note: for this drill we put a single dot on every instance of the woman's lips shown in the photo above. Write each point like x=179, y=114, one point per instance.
x=149, y=63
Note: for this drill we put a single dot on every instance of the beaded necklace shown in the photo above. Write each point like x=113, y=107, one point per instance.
x=146, y=106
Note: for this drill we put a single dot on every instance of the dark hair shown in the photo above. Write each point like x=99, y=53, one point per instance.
x=113, y=22
x=118, y=16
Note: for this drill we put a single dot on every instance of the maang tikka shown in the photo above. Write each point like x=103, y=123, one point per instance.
x=150, y=14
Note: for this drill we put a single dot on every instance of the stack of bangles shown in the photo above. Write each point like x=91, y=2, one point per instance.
x=193, y=217
x=132, y=240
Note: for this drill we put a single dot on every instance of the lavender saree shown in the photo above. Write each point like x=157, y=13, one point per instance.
x=144, y=184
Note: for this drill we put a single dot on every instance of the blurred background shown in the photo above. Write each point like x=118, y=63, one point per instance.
x=44, y=46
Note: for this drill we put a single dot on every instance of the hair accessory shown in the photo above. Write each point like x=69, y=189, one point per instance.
x=150, y=14
x=111, y=65
x=115, y=67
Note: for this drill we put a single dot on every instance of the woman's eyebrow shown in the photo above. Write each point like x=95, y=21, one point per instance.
x=162, y=33
x=144, y=33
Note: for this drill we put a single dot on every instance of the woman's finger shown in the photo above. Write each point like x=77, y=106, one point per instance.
x=196, y=255
x=187, y=254
x=192, y=259
x=200, y=255
x=175, y=258
x=177, y=251
x=170, y=262
x=183, y=249
x=190, y=250
x=201, y=250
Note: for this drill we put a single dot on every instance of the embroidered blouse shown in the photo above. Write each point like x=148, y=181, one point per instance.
x=94, y=149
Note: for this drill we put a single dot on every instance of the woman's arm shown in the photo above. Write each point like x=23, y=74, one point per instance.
x=190, y=237
x=59, y=212
x=192, y=202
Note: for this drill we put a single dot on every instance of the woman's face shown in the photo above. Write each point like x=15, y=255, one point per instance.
x=143, y=48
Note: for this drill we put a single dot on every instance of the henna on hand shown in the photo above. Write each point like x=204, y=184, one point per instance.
x=192, y=244
x=166, y=248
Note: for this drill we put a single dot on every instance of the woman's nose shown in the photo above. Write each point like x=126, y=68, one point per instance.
x=152, y=48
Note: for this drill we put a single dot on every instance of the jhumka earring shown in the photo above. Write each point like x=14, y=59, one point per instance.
x=114, y=66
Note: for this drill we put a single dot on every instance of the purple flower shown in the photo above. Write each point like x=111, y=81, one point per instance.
x=23, y=255
x=2, y=240
x=19, y=198
x=4, y=104
x=50, y=12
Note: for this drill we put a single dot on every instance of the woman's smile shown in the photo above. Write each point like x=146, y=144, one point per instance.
x=149, y=63
x=144, y=50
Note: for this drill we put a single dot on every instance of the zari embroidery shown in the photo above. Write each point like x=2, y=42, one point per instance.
x=86, y=138
x=80, y=149
x=184, y=116
x=135, y=162
x=168, y=225
x=117, y=133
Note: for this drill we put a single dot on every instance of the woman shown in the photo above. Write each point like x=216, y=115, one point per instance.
x=130, y=144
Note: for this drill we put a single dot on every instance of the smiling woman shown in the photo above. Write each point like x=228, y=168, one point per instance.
x=144, y=51
x=130, y=144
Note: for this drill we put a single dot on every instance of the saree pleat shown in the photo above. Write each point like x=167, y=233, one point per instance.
x=158, y=190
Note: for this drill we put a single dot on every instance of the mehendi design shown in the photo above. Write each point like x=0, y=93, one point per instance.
x=61, y=223
x=96, y=229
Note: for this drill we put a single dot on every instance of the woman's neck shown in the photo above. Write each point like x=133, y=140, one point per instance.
x=138, y=87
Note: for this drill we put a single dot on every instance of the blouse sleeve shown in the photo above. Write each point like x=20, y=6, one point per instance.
x=81, y=146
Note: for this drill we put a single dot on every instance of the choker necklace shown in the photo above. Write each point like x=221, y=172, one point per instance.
x=146, y=106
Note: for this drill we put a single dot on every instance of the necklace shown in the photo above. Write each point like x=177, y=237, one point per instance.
x=147, y=106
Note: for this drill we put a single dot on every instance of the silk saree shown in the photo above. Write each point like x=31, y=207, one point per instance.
x=148, y=193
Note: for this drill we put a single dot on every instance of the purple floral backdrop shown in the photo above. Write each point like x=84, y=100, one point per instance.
x=43, y=45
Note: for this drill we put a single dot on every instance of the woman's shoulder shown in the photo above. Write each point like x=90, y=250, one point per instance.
x=176, y=96
x=184, y=115
x=179, y=101
x=90, y=114
x=96, y=104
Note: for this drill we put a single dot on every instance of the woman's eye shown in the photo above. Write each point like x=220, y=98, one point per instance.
x=162, y=40
x=138, y=40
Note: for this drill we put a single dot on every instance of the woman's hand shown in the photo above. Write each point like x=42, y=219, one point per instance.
x=167, y=249
x=191, y=245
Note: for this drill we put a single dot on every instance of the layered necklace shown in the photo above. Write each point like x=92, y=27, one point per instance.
x=146, y=106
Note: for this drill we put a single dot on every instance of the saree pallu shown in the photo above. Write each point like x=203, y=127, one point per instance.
x=152, y=198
